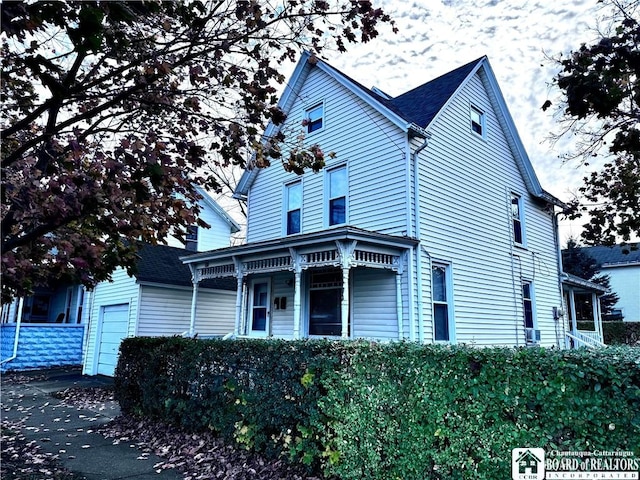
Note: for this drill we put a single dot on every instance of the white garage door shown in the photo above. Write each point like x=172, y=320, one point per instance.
x=115, y=320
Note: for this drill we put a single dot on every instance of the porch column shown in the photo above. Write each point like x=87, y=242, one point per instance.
x=239, y=296
x=345, y=301
x=572, y=310
x=399, y=305
x=194, y=303
x=297, y=293
x=597, y=316
x=236, y=328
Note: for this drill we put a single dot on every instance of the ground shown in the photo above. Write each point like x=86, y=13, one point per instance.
x=197, y=456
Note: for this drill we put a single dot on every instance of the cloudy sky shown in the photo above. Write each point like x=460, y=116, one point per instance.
x=437, y=36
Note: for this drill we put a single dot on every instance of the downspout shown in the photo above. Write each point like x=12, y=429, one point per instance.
x=556, y=231
x=416, y=206
x=16, y=336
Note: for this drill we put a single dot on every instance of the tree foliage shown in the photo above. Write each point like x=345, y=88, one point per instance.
x=600, y=84
x=111, y=110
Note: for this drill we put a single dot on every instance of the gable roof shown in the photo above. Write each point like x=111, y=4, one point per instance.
x=161, y=264
x=211, y=203
x=414, y=111
x=614, y=256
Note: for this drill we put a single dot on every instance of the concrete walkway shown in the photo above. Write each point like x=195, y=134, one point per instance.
x=69, y=432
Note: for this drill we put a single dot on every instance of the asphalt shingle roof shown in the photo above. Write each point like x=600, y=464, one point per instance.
x=615, y=255
x=161, y=264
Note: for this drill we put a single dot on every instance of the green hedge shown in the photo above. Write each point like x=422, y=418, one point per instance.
x=621, y=333
x=363, y=410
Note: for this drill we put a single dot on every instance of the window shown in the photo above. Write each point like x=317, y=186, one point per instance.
x=527, y=300
x=325, y=297
x=516, y=218
x=477, y=121
x=313, y=118
x=191, y=242
x=441, y=303
x=338, y=196
x=293, y=194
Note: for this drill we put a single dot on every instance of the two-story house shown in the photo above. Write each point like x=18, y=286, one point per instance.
x=429, y=224
x=67, y=324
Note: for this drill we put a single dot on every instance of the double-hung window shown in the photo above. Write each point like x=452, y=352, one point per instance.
x=314, y=118
x=477, y=121
x=527, y=301
x=440, y=280
x=293, y=194
x=516, y=219
x=191, y=240
x=338, y=188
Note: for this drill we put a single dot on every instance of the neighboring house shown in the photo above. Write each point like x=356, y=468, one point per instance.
x=428, y=225
x=622, y=264
x=69, y=325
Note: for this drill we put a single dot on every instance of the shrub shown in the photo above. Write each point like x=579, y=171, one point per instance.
x=366, y=410
x=621, y=333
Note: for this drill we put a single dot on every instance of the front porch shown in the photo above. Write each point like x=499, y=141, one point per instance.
x=582, y=303
x=338, y=283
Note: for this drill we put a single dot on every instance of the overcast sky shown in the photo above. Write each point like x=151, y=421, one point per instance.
x=437, y=36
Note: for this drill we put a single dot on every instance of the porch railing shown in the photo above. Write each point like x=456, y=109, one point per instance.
x=585, y=339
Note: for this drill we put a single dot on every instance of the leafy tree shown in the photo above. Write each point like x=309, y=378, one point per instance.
x=600, y=84
x=111, y=110
x=577, y=262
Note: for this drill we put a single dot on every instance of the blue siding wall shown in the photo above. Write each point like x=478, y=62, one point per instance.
x=41, y=346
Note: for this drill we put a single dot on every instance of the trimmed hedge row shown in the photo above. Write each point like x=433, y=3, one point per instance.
x=361, y=410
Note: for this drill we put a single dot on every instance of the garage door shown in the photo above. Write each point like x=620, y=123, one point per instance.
x=115, y=320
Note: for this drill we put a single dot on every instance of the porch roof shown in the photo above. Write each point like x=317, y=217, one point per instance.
x=581, y=283
x=344, y=233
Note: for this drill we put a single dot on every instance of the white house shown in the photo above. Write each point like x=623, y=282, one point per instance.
x=69, y=325
x=622, y=264
x=429, y=224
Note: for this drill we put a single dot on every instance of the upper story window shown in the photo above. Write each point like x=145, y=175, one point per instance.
x=442, y=309
x=191, y=240
x=477, y=121
x=516, y=219
x=338, y=188
x=527, y=300
x=293, y=207
x=314, y=118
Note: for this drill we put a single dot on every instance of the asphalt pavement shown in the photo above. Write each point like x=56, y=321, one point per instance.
x=69, y=432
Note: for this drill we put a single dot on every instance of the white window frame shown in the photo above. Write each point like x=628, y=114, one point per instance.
x=519, y=218
x=481, y=123
x=329, y=198
x=532, y=299
x=448, y=272
x=307, y=112
x=286, y=209
x=250, y=331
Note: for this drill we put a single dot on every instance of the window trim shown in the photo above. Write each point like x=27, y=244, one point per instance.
x=482, y=124
x=313, y=106
x=448, y=272
x=328, y=198
x=520, y=219
x=532, y=299
x=286, y=210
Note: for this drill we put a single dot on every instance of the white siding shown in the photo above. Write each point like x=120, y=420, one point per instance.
x=122, y=290
x=465, y=188
x=625, y=281
x=167, y=311
x=370, y=145
x=218, y=236
x=282, y=319
x=373, y=305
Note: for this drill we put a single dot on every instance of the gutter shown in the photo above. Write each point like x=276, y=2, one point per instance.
x=16, y=337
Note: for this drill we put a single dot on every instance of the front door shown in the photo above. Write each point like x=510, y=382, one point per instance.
x=259, y=321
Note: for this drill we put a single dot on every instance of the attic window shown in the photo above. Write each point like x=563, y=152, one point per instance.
x=314, y=118
x=477, y=121
x=191, y=242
